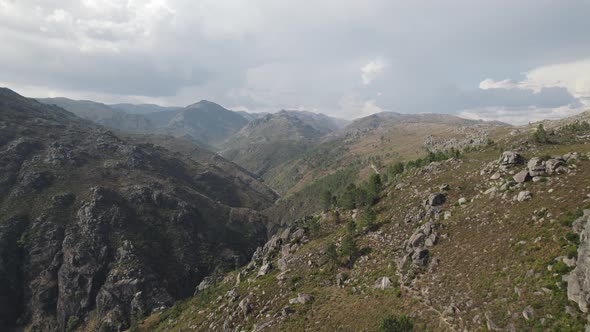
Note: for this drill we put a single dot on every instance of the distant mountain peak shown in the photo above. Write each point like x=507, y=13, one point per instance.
x=205, y=103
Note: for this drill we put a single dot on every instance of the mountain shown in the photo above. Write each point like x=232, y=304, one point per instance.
x=275, y=138
x=204, y=121
x=98, y=228
x=386, y=119
x=495, y=238
x=102, y=114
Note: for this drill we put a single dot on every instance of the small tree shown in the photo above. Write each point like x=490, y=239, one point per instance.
x=348, y=199
x=397, y=168
x=351, y=227
x=374, y=188
x=540, y=135
x=326, y=199
x=368, y=218
x=332, y=254
x=348, y=247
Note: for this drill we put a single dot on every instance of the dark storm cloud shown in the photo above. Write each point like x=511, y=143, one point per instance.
x=345, y=58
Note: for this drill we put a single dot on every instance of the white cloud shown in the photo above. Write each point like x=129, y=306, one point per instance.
x=519, y=116
x=573, y=76
x=372, y=70
x=355, y=106
x=489, y=83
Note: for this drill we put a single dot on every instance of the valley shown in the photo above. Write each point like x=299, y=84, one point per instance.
x=207, y=219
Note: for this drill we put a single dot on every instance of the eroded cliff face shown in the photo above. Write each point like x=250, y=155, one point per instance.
x=96, y=231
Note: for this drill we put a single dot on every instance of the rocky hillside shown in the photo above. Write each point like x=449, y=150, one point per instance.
x=98, y=229
x=276, y=138
x=378, y=140
x=493, y=239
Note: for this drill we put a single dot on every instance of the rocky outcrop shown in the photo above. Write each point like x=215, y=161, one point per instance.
x=578, y=281
x=536, y=167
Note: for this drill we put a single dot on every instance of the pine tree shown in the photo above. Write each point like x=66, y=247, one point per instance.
x=332, y=254
x=540, y=135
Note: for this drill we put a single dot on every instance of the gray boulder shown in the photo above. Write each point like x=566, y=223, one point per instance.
x=420, y=257
x=245, y=306
x=205, y=283
x=509, y=159
x=265, y=269
x=285, y=234
x=298, y=235
x=416, y=239
x=553, y=164
x=524, y=196
x=282, y=263
x=383, y=283
x=570, y=156
x=536, y=167
x=436, y=199
x=301, y=298
x=521, y=176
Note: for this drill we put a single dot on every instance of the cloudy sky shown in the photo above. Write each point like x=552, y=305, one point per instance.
x=515, y=61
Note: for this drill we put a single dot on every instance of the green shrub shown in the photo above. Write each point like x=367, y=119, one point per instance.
x=577, y=126
x=395, y=169
x=72, y=324
x=393, y=324
x=561, y=268
x=572, y=237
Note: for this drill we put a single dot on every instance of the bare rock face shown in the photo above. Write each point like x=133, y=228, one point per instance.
x=578, y=281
